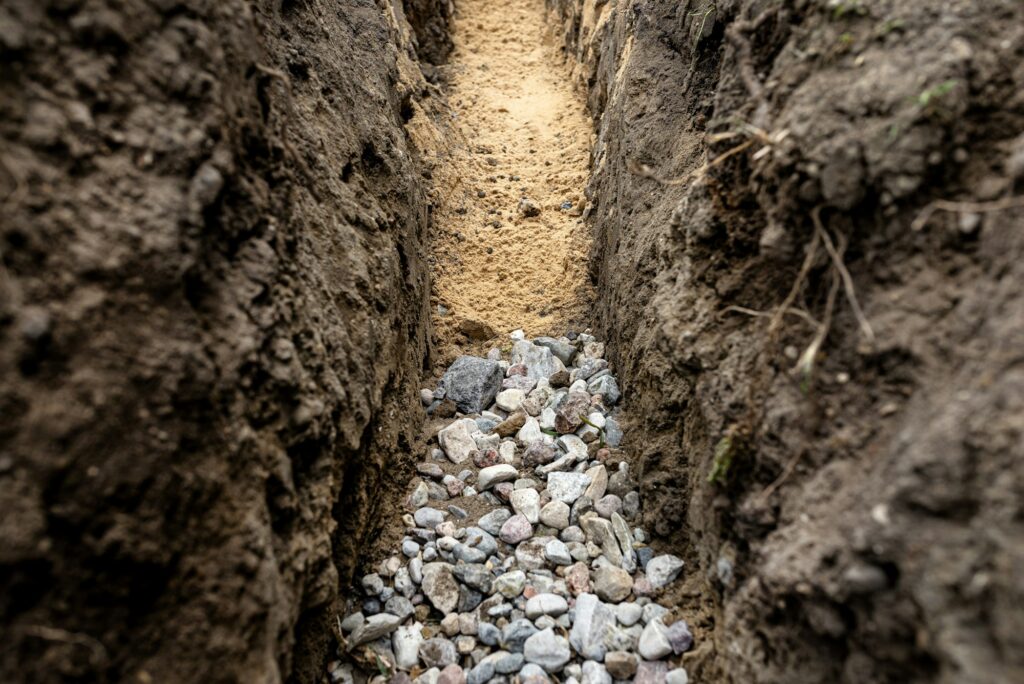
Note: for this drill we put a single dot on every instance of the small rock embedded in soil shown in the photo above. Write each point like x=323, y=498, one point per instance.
x=528, y=207
x=529, y=563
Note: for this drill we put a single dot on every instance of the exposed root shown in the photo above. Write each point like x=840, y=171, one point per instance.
x=783, y=476
x=97, y=651
x=736, y=33
x=792, y=311
x=837, y=261
x=964, y=207
x=805, y=364
x=801, y=278
x=645, y=171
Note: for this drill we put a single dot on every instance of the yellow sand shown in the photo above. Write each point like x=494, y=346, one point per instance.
x=524, y=133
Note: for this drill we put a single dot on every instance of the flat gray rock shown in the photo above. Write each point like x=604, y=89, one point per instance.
x=567, y=487
x=662, y=570
x=546, y=604
x=593, y=618
x=563, y=350
x=374, y=628
x=492, y=522
x=606, y=386
x=547, y=650
x=440, y=587
x=540, y=362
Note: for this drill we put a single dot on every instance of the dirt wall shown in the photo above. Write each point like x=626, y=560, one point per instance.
x=212, y=319
x=431, y=24
x=854, y=514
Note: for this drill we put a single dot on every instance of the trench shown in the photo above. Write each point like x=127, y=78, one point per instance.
x=264, y=270
x=518, y=551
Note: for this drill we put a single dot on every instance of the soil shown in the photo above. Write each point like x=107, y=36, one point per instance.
x=519, y=130
x=213, y=304
x=860, y=522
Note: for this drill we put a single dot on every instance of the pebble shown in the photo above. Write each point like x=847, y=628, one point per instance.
x=510, y=399
x=399, y=606
x=452, y=674
x=654, y=642
x=481, y=674
x=620, y=665
x=555, y=514
x=651, y=673
x=492, y=475
x=450, y=624
x=457, y=440
x=352, y=622
x=629, y=614
x=662, y=570
x=677, y=676
x=631, y=505
x=547, y=650
x=526, y=502
x=440, y=587
x=515, y=634
x=488, y=634
x=598, y=482
x=510, y=584
x=530, y=554
x=567, y=487
x=420, y=496
x=557, y=552
x=431, y=470
x=595, y=673
x=592, y=620
x=516, y=529
x=438, y=652
x=540, y=362
x=607, y=505
x=546, y=604
x=679, y=637
x=374, y=628
x=577, y=578
x=405, y=643
x=428, y=517
x=472, y=383
x=563, y=350
x=492, y=522
x=373, y=585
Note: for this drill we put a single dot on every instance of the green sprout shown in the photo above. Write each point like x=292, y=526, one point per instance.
x=724, y=453
x=847, y=8
x=935, y=92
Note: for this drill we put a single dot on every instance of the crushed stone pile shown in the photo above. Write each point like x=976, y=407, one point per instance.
x=523, y=559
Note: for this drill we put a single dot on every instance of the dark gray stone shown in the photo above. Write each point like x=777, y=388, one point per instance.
x=516, y=633
x=472, y=383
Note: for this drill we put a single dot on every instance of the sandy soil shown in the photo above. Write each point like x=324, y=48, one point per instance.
x=521, y=131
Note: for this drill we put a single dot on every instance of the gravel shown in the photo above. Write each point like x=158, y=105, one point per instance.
x=540, y=574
